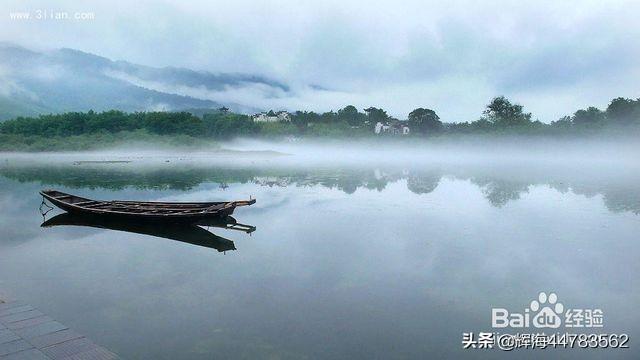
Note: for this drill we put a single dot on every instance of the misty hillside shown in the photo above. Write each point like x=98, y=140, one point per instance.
x=63, y=80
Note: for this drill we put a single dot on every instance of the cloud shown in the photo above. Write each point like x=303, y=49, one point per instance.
x=248, y=94
x=451, y=56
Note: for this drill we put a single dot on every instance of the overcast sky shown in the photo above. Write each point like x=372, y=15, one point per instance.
x=452, y=56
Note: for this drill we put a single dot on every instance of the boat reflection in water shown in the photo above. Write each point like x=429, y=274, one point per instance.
x=188, y=233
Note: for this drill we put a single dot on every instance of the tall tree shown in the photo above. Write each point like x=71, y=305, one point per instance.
x=375, y=115
x=562, y=123
x=624, y=111
x=590, y=117
x=502, y=113
x=424, y=121
x=351, y=115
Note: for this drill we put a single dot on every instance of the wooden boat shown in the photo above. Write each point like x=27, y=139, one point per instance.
x=186, y=233
x=141, y=210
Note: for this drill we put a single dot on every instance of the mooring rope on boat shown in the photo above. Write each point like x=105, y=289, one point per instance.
x=42, y=212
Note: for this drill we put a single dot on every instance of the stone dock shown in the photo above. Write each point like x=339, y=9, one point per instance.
x=28, y=334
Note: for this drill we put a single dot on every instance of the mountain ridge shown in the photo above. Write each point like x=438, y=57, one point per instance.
x=61, y=80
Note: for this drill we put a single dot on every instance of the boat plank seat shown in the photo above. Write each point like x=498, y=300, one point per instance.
x=97, y=205
x=86, y=203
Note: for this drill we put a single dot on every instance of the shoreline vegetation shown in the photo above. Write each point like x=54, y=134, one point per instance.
x=78, y=131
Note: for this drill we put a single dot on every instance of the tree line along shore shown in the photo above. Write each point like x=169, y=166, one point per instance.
x=92, y=130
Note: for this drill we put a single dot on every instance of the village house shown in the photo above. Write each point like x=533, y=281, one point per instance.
x=277, y=117
x=394, y=127
x=380, y=128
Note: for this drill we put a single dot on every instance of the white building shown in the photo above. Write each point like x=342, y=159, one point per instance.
x=381, y=128
x=283, y=116
x=265, y=117
x=397, y=128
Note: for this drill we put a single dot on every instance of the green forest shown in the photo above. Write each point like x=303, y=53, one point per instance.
x=91, y=130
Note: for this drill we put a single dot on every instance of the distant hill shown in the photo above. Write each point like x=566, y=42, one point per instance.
x=64, y=80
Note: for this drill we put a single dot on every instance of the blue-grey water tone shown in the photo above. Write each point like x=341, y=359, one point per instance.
x=347, y=262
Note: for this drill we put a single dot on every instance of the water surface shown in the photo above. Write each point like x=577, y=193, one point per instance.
x=358, y=261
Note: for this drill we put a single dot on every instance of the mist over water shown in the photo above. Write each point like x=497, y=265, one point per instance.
x=366, y=151
x=465, y=150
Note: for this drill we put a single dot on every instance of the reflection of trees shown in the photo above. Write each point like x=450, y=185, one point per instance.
x=185, y=178
x=619, y=194
x=120, y=178
x=620, y=200
x=423, y=183
x=499, y=186
x=500, y=192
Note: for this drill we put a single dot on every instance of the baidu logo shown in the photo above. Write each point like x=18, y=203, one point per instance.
x=546, y=312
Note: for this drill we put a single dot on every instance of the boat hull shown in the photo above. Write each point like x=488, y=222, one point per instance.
x=152, y=211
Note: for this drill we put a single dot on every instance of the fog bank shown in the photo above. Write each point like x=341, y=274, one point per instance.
x=357, y=152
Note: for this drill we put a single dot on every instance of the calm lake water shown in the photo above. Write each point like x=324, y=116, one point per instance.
x=368, y=261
